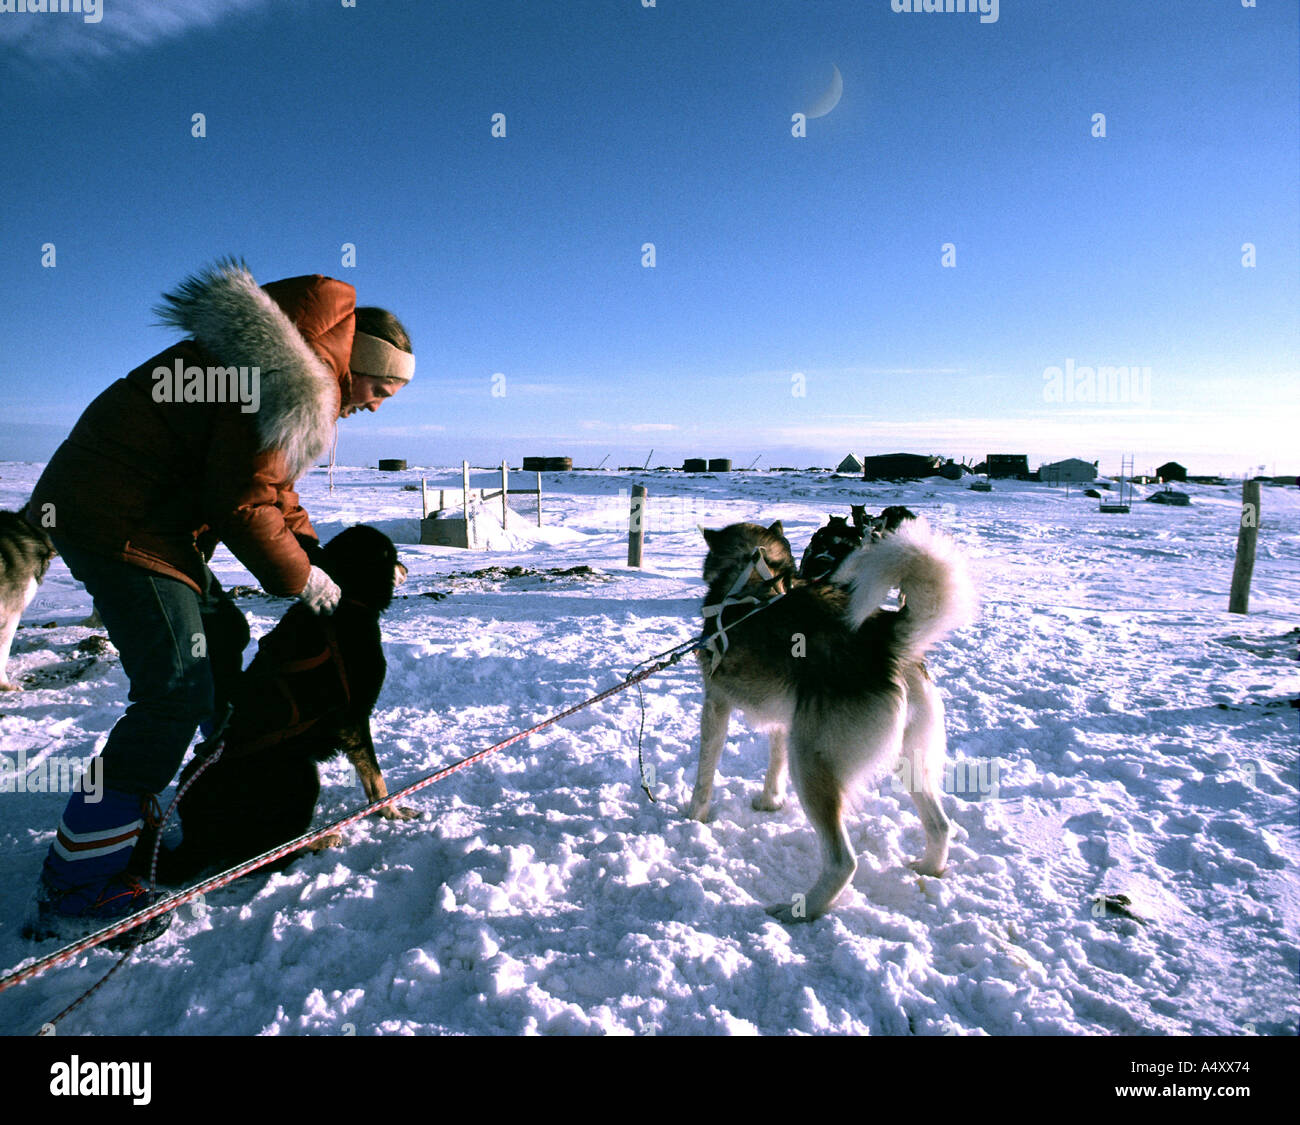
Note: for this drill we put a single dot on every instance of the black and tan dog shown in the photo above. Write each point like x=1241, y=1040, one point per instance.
x=307, y=695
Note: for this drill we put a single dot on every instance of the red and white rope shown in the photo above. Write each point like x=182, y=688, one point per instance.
x=18, y=976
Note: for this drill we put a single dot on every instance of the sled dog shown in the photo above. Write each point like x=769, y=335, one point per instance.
x=25, y=554
x=836, y=680
x=829, y=546
x=832, y=543
x=306, y=697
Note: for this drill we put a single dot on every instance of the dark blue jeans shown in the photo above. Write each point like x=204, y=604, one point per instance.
x=159, y=626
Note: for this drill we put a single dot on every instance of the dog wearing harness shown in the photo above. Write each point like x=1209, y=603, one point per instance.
x=834, y=677
x=772, y=586
x=829, y=546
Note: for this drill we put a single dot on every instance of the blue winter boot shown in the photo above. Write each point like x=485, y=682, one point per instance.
x=84, y=883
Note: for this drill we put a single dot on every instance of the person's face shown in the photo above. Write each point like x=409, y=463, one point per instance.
x=368, y=393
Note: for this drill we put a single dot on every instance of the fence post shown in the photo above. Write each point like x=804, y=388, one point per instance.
x=471, y=529
x=1244, y=568
x=636, y=525
x=539, y=499
x=505, y=497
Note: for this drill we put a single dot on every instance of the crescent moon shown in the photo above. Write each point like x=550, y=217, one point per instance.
x=830, y=99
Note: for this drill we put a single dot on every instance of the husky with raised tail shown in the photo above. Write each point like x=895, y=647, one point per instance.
x=834, y=677
x=25, y=554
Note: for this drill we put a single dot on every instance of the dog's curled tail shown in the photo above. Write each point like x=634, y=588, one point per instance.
x=930, y=572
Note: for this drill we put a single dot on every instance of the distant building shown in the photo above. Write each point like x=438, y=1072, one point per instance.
x=1072, y=470
x=1171, y=470
x=900, y=466
x=1008, y=465
x=850, y=464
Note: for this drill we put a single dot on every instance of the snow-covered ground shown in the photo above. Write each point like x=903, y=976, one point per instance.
x=1113, y=731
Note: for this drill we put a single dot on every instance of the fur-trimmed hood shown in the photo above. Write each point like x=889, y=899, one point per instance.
x=231, y=316
x=173, y=482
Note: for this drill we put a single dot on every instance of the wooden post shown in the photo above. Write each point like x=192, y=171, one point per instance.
x=505, y=497
x=470, y=539
x=539, y=499
x=1239, y=597
x=636, y=525
x=424, y=499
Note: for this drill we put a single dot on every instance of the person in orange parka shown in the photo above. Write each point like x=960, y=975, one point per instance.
x=162, y=466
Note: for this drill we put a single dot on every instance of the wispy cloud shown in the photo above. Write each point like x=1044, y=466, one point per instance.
x=733, y=378
x=413, y=431
x=109, y=28
x=627, y=427
x=492, y=388
x=904, y=371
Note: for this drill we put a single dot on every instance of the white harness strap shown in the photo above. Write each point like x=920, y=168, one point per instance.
x=717, y=644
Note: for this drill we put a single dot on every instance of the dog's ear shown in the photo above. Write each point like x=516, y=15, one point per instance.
x=314, y=551
x=712, y=538
x=777, y=529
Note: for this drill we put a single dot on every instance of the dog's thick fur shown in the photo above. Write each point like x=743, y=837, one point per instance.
x=836, y=680
x=25, y=554
x=258, y=796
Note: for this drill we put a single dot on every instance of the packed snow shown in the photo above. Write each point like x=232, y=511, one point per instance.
x=1113, y=731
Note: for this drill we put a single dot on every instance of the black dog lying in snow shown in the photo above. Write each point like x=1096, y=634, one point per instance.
x=307, y=695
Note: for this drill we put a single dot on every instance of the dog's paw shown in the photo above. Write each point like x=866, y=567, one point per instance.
x=764, y=803
x=923, y=866
x=401, y=812
x=5, y=685
x=333, y=840
x=697, y=810
x=789, y=912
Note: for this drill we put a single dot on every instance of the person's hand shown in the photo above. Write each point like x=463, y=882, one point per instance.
x=320, y=595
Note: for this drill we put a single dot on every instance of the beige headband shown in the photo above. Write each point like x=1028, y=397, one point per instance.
x=380, y=360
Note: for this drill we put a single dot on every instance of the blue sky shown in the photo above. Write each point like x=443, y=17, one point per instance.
x=798, y=308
